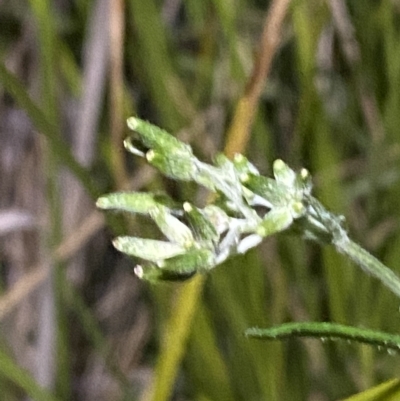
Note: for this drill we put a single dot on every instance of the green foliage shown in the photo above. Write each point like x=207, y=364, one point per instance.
x=388, y=391
x=330, y=102
x=327, y=331
x=287, y=203
x=11, y=371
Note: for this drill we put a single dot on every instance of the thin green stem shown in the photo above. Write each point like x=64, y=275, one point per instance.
x=324, y=330
x=369, y=263
x=23, y=379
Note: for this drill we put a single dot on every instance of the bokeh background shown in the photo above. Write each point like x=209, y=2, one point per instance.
x=314, y=82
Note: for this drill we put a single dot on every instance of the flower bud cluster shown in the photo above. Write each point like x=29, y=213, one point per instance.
x=196, y=240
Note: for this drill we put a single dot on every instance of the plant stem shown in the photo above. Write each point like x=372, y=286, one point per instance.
x=369, y=263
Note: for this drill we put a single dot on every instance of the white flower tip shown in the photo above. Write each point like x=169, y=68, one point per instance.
x=261, y=231
x=238, y=157
x=279, y=164
x=298, y=209
x=138, y=271
x=244, y=177
x=187, y=207
x=101, y=202
x=117, y=243
x=127, y=143
x=150, y=155
x=132, y=123
x=189, y=243
x=304, y=173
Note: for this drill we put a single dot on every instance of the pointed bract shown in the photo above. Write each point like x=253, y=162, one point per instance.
x=171, y=227
x=201, y=226
x=265, y=187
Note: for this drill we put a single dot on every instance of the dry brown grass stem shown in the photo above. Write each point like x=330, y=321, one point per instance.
x=246, y=109
x=38, y=274
x=117, y=120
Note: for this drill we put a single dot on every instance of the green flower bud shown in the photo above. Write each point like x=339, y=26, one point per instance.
x=171, y=227
x=297, y=209
x=304, y=177
x=276, y=220
x=201, y=226
x=265, y=187
x=283, y=173
x=243, y=166
x=222, y=161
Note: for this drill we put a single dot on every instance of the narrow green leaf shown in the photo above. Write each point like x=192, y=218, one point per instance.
x=134, y=202
x=172, y=164
x=19, y=376
x=327, y=331
x=147, y=249
x=388, y=391
x=13, y=86
x=154, y=274
x=158, y=139
x=158, y=68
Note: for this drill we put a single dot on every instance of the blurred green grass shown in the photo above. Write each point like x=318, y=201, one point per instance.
x=330, y=103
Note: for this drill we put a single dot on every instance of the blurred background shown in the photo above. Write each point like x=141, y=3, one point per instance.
x=314, y=82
